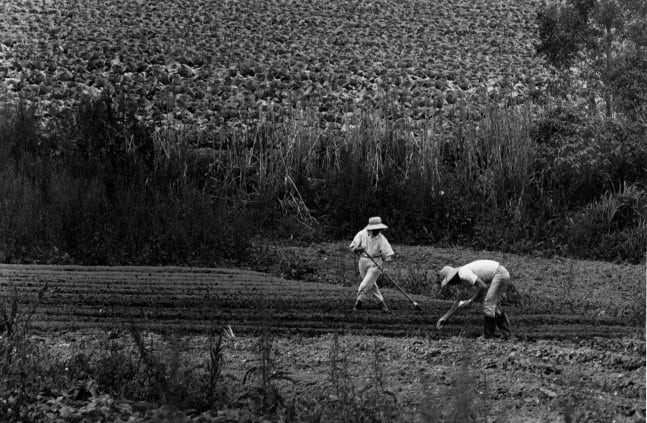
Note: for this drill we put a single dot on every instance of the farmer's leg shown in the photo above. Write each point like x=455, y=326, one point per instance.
x=374, y=293
x=491, y=302
x=367, y=289
x=363, y=266
x=491, y=308
x=503, y=323
x=489, y=326
x=377, y=295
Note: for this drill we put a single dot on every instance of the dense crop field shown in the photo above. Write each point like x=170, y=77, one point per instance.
x=221, y=64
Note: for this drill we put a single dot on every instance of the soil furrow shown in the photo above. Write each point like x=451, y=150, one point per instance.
x=198, y=300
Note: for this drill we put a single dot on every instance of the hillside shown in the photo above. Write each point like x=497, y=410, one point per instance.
x=232, y=64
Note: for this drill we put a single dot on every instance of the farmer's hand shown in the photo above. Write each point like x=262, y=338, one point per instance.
x=465, y=303
x=440, y=323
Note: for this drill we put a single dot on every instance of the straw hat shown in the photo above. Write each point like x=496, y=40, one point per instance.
x=447, y=273
x=375, y=223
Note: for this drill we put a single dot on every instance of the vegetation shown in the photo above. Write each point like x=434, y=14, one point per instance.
x=194, y=67
x=605, y=43
x=96, y=189
x=123, y=144
x=174, y=148
x=164, y=380
x=139, y=376
x=98, y=186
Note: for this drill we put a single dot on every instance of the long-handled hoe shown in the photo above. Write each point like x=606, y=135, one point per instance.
x=415, y=304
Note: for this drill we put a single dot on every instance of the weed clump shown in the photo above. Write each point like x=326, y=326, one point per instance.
x=99, y=187
x=464, y=401
x=345, y=401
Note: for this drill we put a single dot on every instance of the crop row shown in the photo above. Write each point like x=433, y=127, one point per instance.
x=247, y=300
x=217, y=64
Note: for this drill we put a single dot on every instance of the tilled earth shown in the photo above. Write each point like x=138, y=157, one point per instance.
x=417, y=378
x=199, y=300
x=578, y=352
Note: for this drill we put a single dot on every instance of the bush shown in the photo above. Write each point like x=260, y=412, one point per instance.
x=582, y=156
x=612, y=228
x=91, y=188
x=99, y=187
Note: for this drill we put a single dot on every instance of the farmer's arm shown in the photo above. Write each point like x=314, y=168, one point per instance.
x=480, y=290
x=386, y=259
x=447, y=315
x=481, y=287
x=356, y=245
x=386, y=251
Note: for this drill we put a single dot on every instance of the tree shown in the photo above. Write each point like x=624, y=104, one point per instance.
x=607, y=41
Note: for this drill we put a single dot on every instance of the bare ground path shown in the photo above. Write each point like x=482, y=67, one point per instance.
x=198, y=300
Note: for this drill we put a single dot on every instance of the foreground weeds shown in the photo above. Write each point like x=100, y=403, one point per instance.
x=133, y=374
x=22, y=373
x=347, y=401
x=262, y=382
x=465, y=400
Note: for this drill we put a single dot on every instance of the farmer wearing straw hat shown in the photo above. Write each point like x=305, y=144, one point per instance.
x=490, y=280
x=370, y=243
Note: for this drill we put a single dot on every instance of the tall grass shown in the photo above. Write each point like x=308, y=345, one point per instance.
x=101, y=187
x=97, y=187
x=416, y=174
x=464, y=401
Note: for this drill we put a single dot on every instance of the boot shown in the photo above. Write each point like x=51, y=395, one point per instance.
x=489, y=327
x=503, y=324
x=357, y=306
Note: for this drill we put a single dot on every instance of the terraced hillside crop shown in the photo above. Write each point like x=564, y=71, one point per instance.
x=186, y=300
x=223, y=64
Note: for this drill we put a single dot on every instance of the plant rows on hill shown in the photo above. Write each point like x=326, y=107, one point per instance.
x=223, y=64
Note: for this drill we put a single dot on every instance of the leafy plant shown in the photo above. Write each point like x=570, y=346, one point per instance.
x=465, y=401
x=190, y=77
x=21, y=369
x=345, y=402
x=605, y=39
x=170, y=380
x=265, y=394
x=612, y=227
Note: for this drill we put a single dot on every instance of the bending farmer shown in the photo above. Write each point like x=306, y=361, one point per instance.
x=369, y=242
x=490, y=280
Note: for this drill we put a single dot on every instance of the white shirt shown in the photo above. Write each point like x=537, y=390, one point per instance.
x=483, y=269
x=377, y=246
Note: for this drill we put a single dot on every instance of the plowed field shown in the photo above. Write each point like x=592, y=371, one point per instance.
x=193, y=300
x=578, y=354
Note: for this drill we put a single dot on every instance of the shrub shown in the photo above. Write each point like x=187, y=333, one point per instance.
x=346, y=402
x=95, y=189
x=604, y=40
x=614, y=227
x=98, y=187
x=580, y=157
x=465, y=401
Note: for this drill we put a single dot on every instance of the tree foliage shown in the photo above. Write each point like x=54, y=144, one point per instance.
x=604, y=39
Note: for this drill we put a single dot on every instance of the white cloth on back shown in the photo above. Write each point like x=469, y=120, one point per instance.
x=492, y=274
